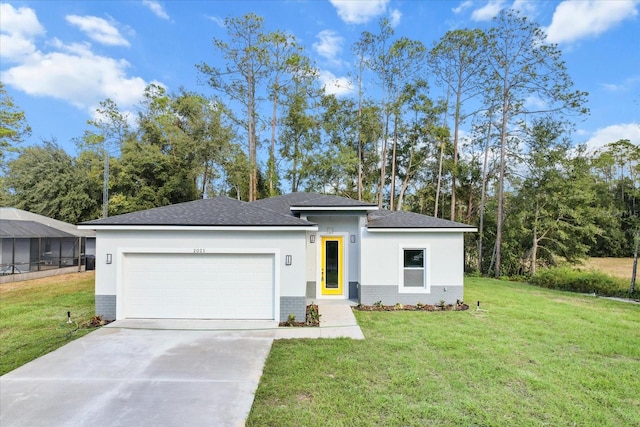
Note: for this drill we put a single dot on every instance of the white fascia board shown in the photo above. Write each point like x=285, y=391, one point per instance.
x=195, y=228
x=333, y=208
x=422, y=230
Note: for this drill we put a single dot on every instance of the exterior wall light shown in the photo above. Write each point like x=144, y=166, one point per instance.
x=312, y=238
x=109, y=258
x=287, y=260
x=352, y=238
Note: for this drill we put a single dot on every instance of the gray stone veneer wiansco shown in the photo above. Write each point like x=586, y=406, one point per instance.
x=293, y=305
x=106, y=306
x=389, y=295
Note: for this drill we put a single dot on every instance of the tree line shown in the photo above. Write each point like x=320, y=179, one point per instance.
x=494, y=151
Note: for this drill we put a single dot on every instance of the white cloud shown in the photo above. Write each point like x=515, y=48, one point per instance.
x=156, y=8
x=613, y=133
x=359, y=12
x=462, y=7
x=526, y=7
x=394, y=18
x=488, y=11
x=67, y=71
x=574, y=20
x=98, y=29
x=626, y=85
x=18, y=31
x=218, y=21
x=329, y=45
x=335, y=85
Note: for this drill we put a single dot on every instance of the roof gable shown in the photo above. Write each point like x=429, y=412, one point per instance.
x=403, y=219
x=307, y=201
x=217, y=211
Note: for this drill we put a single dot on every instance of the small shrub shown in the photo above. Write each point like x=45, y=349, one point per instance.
x=586, y=282
x=291, y=320
x=378, y=304
x=313, y=315
x=398, y=306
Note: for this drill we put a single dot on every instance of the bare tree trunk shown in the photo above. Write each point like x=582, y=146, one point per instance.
x=634, y=272
x=454, y=171
x=435, y=209
x=393, y=162
x=272, y=152
x=503, y=143
x=383, y=165
x=444, y=124
x=405, y=182
x=484, y=189
x=360, y=185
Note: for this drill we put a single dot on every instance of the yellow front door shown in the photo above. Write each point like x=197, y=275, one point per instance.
x=331, y=265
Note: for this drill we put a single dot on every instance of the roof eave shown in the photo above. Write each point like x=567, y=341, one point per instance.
x=422, y=229
x=200, y=227
x=333, y=208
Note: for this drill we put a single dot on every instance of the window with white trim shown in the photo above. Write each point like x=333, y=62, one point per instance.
x=413, y=269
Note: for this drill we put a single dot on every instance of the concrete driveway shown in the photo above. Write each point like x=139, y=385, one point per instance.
x=151, y=376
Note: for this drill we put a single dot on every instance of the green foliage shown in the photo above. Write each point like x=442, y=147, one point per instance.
x=313, y=315
x=45, y=180
x=13, y=125
x=573, y=280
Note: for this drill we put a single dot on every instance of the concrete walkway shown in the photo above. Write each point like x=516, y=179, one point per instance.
x=156, y=372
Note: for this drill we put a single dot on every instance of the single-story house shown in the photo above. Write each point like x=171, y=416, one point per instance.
x=33, y=245
x=222, y=258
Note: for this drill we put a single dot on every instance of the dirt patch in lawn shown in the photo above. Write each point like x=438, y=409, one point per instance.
x=45, y=282
x=616, y=267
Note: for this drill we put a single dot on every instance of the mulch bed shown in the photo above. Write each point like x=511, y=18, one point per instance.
x=458, y=306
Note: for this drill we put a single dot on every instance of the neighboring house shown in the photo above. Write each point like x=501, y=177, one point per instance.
x=222, y=258
x=33, y=245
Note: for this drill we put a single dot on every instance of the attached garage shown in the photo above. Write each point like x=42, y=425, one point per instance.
x=206, y=286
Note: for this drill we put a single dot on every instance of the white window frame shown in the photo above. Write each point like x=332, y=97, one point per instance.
x=426, y=288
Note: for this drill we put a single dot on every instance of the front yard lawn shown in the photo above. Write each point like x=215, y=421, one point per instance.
x=33, y=316
x=535, y=357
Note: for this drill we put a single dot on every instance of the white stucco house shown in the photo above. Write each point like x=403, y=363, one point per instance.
x=222, y=258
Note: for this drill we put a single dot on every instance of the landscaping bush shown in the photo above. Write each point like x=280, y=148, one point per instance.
x=569, y=279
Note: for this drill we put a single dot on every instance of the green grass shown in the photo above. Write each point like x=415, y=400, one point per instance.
x=33, y=316
x=536, y=357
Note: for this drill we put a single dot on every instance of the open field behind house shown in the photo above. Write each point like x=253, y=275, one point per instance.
x=33, y=316
x=615, y=267
x=532, y=357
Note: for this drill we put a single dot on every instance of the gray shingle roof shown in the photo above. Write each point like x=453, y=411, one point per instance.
x=10, y=228
x=402, y=219
x=218, y=211
x=283, y=204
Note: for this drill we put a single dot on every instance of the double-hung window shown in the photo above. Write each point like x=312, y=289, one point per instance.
x=413, y=269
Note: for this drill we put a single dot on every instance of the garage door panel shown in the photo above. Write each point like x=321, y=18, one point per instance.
x=210, y=286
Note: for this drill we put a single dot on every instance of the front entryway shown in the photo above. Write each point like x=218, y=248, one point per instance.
x=332, y=265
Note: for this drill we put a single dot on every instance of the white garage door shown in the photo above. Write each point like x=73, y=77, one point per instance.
x=199, y=286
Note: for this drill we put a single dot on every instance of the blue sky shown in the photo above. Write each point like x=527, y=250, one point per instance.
x=59, y=59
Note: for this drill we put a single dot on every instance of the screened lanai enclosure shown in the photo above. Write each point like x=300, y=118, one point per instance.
x=27, y=246
x=31, y=243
